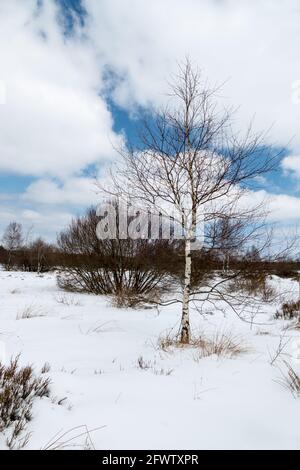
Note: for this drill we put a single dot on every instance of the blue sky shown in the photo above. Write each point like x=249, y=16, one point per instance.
x=75, y=74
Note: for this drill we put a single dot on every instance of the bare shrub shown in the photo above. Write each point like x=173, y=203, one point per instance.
x=31, y=311
x=19, y=387
x=289, y=311
x=254, y=284
x=283, y=342
x=126, y=269
x=219, y=344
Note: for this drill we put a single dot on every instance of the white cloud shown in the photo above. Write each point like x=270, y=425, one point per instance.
x=54, y=122
x=52, y=84
x=255, y=45
x=74, y=191
x=47, y=222
x=284, y=207
x=279, y=207
x=291, y=163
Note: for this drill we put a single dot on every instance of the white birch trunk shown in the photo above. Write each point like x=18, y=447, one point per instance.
x=185, y=318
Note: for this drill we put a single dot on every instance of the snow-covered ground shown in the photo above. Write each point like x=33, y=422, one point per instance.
x=179, y=401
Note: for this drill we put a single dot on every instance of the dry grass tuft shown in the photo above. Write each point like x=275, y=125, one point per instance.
x=68, y=300
x=125, y=299
x=142, y=364
x=148, y=365
x=130, y=298
x=220, y=344
x=46, y=368
x=31, y=311
x=291, y=380
x=77, y=437
x=15, y=291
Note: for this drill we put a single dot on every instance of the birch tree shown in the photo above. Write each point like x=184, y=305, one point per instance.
x=189, y=162
x=13, y=237
x=12, y=240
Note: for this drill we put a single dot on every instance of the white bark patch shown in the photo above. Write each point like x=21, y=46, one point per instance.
x=185, y=319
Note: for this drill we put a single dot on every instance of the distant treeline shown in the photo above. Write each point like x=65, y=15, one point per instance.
x=38, y=257
x=162, y=255
x=102, y=266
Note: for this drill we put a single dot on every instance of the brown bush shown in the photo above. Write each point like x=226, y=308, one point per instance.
x=126, y=269
x=289, y=311
x=19, y=387
x=254, y=283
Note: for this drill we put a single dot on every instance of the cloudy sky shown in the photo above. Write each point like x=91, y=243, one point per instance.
x=74, y=76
